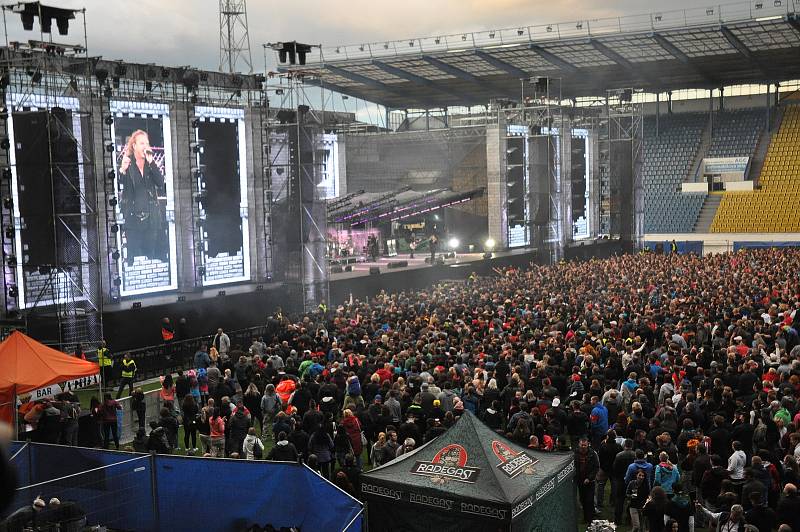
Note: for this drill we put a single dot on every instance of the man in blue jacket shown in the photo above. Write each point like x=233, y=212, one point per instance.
x=639, y=464
x=599, y=422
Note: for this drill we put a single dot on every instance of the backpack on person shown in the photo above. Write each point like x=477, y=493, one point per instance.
x=258, y=452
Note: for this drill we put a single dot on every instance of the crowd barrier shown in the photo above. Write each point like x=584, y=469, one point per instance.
x=684, y=246
x=133, y=491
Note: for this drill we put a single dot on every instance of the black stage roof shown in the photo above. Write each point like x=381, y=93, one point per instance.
x=709, y=47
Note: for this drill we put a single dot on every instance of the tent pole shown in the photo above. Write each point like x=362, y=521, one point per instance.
x=16, y=412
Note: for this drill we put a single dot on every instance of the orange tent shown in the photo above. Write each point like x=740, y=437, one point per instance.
x=26, y=365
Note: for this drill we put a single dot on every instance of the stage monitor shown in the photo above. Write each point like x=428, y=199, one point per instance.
x=46, y=181
x=146, y=201
x=221, y=187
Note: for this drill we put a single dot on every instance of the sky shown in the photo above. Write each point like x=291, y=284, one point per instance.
x=186, y=32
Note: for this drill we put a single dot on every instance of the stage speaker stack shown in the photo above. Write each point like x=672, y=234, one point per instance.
x=336, y=269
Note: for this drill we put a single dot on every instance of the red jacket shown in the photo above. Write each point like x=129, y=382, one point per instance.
x=353, y=428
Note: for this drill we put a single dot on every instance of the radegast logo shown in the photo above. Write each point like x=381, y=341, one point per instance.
x=436, y=502
x=450, y=463
x=512, y=462
x=380, y=491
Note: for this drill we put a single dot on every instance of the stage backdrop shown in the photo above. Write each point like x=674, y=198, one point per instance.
x=45, y=172
x=145, y=197
x=222, y=185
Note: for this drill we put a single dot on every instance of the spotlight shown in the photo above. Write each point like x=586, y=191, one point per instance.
x=221, y=293
x=195, y=123
x=11, y=260
x=8, y=203
x=520, y=32
x=112, y=201
x=489, y=244
x=201, y=271
x=109, y=146
x=114, y=229
x=136, y=305
x=453, y=243
x=108, y=120
x=102, y=75
x=111, y=175
x=491, y=35
x=9, y=232
x=7, y=174
x=116, y=255
x=5, y=143
x=12, y=292
x=195, y=147
x=181, y=299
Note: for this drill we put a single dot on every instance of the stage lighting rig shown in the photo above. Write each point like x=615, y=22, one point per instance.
x=28, y=11
x=292, y=52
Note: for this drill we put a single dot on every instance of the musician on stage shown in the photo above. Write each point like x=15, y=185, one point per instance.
x=141, y=183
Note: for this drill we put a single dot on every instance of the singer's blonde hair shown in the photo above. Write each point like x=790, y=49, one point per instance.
x=132, y=140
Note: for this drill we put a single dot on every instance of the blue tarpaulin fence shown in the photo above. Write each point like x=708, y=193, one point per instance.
x=780, y=244
x=133, y=491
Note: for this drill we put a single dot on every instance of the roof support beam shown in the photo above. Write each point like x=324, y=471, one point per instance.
x=675, y=52
x=464, y=75
x=742, y=49
x=621, y=61
x=358, y=78
x=502, y=65
x=424, y=82
x=553, y=59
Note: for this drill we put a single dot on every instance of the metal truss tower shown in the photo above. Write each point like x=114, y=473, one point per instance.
x=234, y=39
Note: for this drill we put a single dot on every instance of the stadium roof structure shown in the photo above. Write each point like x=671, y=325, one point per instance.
x=361, y=207
x=751, y=42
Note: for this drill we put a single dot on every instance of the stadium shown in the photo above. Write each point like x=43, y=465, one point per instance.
x=538, y=277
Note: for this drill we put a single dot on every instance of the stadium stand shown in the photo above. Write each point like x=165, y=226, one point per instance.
x=736, y=133
x=775, y=206
x=667, y=162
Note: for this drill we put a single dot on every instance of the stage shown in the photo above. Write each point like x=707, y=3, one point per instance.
x=248, y=304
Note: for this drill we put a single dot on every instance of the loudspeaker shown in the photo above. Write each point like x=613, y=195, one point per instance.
x=336, y=269
x=398, y=264
x=374, y=270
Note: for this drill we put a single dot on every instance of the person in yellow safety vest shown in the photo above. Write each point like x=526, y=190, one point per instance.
x=673, y=247
x=105, y=362
x=128, y=373
x=323, y=308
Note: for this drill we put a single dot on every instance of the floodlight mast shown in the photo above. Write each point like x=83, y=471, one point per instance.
x=234, y=38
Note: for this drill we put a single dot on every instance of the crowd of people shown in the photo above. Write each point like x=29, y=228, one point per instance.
x=673, y=379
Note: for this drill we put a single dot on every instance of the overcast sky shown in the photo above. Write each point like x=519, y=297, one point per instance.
x=186, y=32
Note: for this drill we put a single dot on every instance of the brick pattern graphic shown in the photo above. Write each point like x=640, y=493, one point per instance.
x=145, y=273
x=224, y=266
x=40, y=289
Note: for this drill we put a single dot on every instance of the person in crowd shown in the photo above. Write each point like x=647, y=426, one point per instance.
x=109, y=416
x=252, y=447
x=189, y=414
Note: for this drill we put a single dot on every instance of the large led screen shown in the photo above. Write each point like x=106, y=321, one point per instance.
x=47, y=183
x=221, y=185
x=145, y=202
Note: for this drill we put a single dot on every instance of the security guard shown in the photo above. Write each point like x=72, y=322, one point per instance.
x=105, y=362
x=128, y=373
x=673, y=247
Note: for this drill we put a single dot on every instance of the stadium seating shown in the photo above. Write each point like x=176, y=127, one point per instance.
x=668, y=159
x=775, y=207
x=736, y=133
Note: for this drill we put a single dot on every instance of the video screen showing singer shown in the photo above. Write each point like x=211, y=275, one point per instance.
x=142, y=200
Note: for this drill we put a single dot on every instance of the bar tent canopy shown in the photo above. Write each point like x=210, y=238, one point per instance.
x=27, y=365
x=472, y=479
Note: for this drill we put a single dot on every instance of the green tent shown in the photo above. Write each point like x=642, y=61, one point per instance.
x=472, y=479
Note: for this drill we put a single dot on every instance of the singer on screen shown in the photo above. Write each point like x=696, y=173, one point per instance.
x=141, y=183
